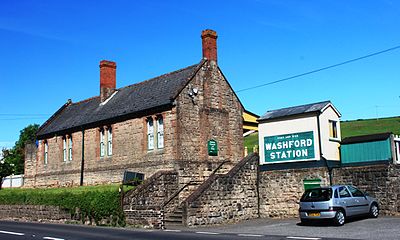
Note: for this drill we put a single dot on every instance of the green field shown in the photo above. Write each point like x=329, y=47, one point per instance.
x=250, y=141
x=370, y=126
x=350, y=128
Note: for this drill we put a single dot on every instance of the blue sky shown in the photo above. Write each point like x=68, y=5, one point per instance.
x=50, y=51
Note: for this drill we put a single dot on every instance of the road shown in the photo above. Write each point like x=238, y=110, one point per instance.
x=383, y=228
x=39, y=231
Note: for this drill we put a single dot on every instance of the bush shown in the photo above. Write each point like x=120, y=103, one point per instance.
x=93, y=203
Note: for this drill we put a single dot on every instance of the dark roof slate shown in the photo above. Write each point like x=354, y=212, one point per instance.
x=153, y=93
x=284, y=112
x=366, y=138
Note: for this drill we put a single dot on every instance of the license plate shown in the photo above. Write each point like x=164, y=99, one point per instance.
x=316, y=214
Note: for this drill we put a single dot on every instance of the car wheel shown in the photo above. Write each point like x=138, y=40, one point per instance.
x=374, y=211
x=304, y=221
x=339, y=218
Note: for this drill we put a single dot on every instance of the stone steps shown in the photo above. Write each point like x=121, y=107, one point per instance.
x=173, y=219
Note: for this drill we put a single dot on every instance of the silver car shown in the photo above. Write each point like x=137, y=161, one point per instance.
x=336, y=203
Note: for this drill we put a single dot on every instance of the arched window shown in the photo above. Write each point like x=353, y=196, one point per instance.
x=64, y=139
x=70, y=148
x=160, y=132
x=150, y=134
x=102, y=148
x=46, y=151
x=109, y=141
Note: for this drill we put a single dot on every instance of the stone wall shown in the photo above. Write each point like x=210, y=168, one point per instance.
x=214, y=112
x=224, y=198
x=380, y=181
x=129, y=153
x=34, y=213
x=280, y=190
x=142, y=216
x=142, y=205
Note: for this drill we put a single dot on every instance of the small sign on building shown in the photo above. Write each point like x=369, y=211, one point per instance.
x=212, y=146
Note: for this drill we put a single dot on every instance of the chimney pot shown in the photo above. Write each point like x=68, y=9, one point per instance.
x=209, y=41
x=107, y=79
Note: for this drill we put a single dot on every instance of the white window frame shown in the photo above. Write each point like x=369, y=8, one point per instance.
x=64, y=149
x=102, y=147
x=70, y=148
x=333, y=129
x=109, y=141
x=150, y=134
x=160, y=132
x=46, y=152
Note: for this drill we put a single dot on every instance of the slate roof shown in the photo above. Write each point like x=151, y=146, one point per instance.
x=290, y=111
x=366, y=138
x=154, y=93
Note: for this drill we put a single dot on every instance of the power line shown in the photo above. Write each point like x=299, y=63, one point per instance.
x=23, y=114
x=26, y=116
x=22, y=118
x=321, y=69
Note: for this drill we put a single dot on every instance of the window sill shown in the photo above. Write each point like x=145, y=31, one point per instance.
x=334, y=140
x=105, y=157
x=156, y=151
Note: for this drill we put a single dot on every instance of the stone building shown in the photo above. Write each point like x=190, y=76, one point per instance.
x=163, y=123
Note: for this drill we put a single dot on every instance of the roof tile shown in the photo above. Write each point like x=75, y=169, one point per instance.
x=153, y=93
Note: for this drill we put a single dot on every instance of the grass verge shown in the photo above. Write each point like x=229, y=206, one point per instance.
x=93, y=203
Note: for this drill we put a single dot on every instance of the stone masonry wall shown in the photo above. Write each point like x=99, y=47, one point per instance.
x=225, y=198
x=213, y=113
x=281, y=190
x=34, y=213
x=129, y=153
x=143, y=205
x=380, y=181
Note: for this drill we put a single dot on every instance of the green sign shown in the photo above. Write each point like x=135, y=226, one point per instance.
x=289, y=147
x=212, y=148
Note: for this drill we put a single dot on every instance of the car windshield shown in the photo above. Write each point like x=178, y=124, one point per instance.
x=317, y=195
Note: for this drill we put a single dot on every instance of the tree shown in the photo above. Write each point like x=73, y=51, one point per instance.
x=6, y=168
x=16, y=155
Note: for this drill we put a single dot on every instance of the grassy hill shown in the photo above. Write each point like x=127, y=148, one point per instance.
x=250, y=141
x=370, y=126
x=349, y=128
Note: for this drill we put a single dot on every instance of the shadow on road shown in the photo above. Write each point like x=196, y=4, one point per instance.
x=329, y=222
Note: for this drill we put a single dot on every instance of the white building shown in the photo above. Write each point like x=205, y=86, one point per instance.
x=303, y=133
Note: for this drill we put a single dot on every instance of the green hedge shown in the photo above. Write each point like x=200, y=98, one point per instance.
x=94, y=203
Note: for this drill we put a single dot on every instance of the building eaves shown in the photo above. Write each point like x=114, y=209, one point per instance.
x=366, y=138
x=294, y=111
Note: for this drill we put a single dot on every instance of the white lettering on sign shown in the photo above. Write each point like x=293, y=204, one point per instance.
x=288, y=144
x=289, y=147
x=289, y=154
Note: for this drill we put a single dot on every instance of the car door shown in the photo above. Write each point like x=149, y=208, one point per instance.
x=361, y=204
x=346, y=201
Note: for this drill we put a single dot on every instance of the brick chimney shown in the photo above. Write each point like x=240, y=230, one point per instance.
x=107, y=79
x=209, y=41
